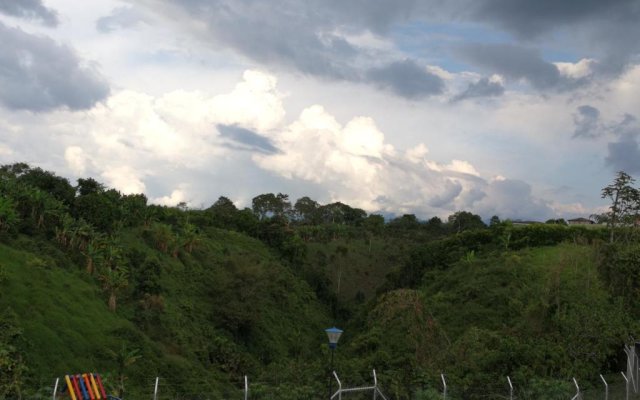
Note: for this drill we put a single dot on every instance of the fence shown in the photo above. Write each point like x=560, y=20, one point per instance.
x=626, y=388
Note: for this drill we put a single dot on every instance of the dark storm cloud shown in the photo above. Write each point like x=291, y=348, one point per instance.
x=624, y=155
x=38, y=74
x=407, y=79
x=527, y=18
x=302, y=34
x=482, y=88
x=587, y=122
x=610, y=28
x=29, y=9
x=516, y=62
x=246, y=139
x=120, y=18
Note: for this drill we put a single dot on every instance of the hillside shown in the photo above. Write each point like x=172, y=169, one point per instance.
x=227, y=310
x=93, y=280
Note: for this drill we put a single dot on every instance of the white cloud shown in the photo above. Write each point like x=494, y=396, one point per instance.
x=125, y=179
x=177, y=196
x=577, y=70
x=5, y=150
x=76, y=159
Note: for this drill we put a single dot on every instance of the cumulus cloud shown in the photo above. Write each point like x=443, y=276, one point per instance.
x=76, y=159
x=177, y=196
x=577, y=70
x=30, y=9
x=125, y=178
x=38, y=74
x=358, y=167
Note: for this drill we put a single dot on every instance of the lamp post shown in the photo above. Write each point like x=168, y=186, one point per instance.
x=334, y=335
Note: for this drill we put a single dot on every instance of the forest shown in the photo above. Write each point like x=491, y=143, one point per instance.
x=95, y=280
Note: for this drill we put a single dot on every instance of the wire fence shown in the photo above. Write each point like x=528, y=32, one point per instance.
x=622, y=386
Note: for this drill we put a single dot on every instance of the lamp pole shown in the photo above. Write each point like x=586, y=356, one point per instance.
x=334, y=335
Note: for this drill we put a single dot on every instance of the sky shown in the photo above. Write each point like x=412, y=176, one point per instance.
x=523, y=109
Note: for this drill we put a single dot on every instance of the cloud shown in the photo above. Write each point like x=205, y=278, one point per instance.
x=38, y=74
x=407, y=79
x=242, y=138
x=624, y=155
x=120, y=18
x=587, y=122
x=512, y=199
x=312, y=37
x=30, y=9
x=608, y=28
x=484, y=87
x=177, y=196
x=125, y=178
x=76, y=159
x=355, y=164
x=515, y=62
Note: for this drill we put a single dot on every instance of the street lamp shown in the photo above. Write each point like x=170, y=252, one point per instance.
x=334, y=335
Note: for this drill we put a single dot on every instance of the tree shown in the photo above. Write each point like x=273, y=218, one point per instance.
x=306, y=210
x=8, y=214
x=124, y=357
x=113, y=281
x=270, y=205
x=624, y=201
x=89, y=186
x=464, y=220
x=223, y=213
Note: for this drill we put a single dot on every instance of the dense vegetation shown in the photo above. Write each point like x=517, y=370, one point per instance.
x=94, y=280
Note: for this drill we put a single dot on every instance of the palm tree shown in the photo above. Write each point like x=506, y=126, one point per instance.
x=113, y=281
x=8, y=214
x=124, y=357
x=190, y=237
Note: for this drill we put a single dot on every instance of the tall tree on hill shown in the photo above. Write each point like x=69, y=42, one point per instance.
x=113, y=281
x=306, y=210
x=271, y=205
x=464, y=221
x=625, y=202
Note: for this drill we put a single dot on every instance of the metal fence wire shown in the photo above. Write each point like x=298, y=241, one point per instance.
x=625, y=387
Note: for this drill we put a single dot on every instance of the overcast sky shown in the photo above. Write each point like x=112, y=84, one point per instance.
x=519, y=108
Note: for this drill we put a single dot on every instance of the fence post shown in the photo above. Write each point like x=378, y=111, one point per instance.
x=246, y=387
x=155, y=389
x=577, y=396
x=444, y=386
x=55, y=388
x=510, y=388
x=606, y=388
x=375, y=385
x=627, y=384
x=339, y=392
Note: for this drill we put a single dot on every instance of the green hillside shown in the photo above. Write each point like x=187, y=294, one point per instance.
x=93, y=280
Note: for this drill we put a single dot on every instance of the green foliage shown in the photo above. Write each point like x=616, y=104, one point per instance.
x=12, y=366
x=205, y=297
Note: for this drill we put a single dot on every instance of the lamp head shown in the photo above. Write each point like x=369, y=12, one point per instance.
x=334, y=335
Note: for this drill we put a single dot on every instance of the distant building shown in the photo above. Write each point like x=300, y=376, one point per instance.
x=580, y=221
